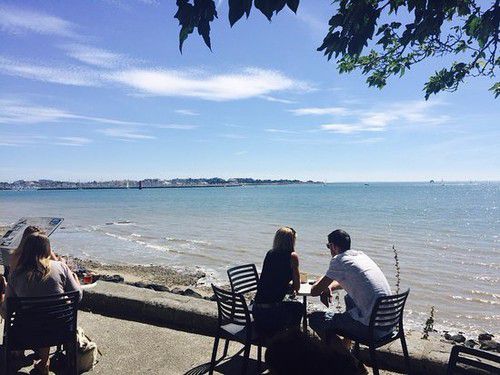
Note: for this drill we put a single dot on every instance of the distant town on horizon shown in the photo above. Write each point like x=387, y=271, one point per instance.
x=149, y=183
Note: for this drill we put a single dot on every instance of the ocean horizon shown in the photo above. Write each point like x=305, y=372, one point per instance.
x=445, y=234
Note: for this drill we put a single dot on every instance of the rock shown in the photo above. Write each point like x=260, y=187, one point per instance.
x=158, y=287
x=139, y=284
x=210, y=298
x=191, y=293
x=177, y=290
x=485, y=336
x=458, y=338
x=112, y=278
x=470, y=343
x=490, y=345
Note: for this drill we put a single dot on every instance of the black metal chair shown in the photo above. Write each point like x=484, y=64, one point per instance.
x=40, y=322
x=387, y=315
x=235, y=324
x=464, y=359
x=243, y=279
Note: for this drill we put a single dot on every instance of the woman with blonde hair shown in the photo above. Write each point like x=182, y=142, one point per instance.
x=280, y=275
x=37, y=275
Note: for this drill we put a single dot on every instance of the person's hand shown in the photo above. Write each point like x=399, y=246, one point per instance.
x=326, y=297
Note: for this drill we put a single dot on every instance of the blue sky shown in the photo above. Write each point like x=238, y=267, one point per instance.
x=99, y=90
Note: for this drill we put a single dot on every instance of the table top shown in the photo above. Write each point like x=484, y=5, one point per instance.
x=305, y=288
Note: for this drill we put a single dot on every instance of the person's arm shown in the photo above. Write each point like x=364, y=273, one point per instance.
x=72, y=283
x=295, y=272
x=320, y=286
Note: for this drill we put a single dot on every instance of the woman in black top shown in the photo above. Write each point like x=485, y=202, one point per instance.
x=281, y=267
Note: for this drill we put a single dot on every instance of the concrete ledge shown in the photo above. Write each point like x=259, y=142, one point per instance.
x=197, y=315
x=148, y=306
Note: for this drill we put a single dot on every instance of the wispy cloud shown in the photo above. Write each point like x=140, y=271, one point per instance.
x=72, y=141
x=21, y=20
x=277, y=100
x=402, y=113
x=186, y=112
x=64, y=75
x=18, y=112
x=248, y=83
x=125, y=134
x=282, y=131
x=96, y=56
x=232, y=136
x=319, y=111
x=239, y=153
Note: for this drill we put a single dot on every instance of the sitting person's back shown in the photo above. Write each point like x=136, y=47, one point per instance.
x=275, y=277
x=36, y=275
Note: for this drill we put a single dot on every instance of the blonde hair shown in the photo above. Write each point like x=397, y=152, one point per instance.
x=284, y=240
x=16, y=254
x=35, y=257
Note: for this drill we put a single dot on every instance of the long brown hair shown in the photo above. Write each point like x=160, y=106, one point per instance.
x=35, y=257
x=284, y=240
x=16, y=254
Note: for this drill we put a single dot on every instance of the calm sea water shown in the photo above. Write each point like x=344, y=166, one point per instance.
x=447, y=236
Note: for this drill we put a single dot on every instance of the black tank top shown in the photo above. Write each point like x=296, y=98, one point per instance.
x=275, y=277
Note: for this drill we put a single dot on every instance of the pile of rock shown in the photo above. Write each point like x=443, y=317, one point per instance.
x=484, y=341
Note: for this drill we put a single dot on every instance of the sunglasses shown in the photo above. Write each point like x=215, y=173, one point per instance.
x=329, y=244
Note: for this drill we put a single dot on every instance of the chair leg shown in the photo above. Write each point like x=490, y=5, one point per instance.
x=355, y=351
x=214, y=354
x=226, y=348
x=246, y=357
x=71, y=354
x=405, y=352
x=6, y=362
x=259, y=358
x=373, y=360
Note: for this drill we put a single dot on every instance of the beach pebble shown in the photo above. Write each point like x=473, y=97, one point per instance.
x=485, y=336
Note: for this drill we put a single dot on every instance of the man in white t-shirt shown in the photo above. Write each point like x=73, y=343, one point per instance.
x=360, y=277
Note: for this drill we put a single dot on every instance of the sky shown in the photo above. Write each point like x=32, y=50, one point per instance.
x=99, y=90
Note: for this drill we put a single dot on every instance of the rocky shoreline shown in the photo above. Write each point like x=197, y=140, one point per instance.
x=155, y=277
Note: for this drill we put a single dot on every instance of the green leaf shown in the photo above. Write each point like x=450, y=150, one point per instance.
x=495, y=89
x=236, y=11
x=293, y=5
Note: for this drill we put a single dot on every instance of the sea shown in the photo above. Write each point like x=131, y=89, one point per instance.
x=445, y=235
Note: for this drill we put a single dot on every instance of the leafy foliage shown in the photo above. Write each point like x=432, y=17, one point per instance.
x=369, y=35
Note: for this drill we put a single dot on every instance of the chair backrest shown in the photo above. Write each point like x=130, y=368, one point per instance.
x=243, y=279
x=34, y=322
x=232, y=307
x=388, y=311
x=463, y=359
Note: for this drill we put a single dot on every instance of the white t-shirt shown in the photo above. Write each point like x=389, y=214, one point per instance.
x=362, y=279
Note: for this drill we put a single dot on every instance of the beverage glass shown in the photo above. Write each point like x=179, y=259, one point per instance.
x=303, y=277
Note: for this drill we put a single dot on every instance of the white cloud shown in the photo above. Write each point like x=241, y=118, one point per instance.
x=125, y=134
x=283, y=131
x=350, y=128
x=18, y=112
x=319, y=111
x=17, y=20
x=278, y=100
x=96, y=56
x=69, y=75
x=186, y=112
x=72, y=141
x=401, y=113
x=248, y=83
